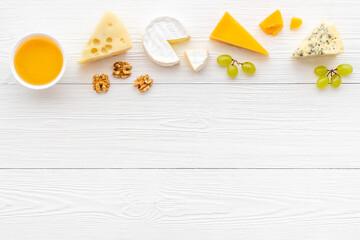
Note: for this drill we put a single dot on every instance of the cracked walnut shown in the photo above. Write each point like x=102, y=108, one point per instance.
x=143, y=83
x=101, y=83
x=122, y=70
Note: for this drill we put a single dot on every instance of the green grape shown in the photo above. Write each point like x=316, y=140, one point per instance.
x=344, y=69
x=224, y=60
x=322, y=82
x=248, y=68
x=232, y=70
x=320, y=71
x=336, y=81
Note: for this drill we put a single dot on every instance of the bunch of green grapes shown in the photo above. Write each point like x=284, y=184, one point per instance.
x=335, y=74
x=232, y=69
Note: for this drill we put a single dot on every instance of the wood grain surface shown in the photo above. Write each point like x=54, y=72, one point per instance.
x=179, y=204
x=199, y=156
x=241, y=126
x=276, y=118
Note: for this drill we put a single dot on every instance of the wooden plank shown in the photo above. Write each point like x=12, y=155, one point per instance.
x=186, y=126
x=179, y=204
x=72, y=24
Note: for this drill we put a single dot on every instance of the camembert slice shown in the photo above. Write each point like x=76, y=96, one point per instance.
x=109, y=38
x=197, y=58
x=323, y=40
x=229, y=31
x=157, y=38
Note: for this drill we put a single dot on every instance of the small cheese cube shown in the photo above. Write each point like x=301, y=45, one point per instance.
x=295, y=23
x=273, y=23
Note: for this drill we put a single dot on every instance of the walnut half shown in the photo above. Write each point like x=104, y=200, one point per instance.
x=122, y=70
x=143, y=83
x=101, y=83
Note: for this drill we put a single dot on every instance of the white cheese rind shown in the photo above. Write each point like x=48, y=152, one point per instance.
x=197, y=58
x=323, y=40
x=157, y=38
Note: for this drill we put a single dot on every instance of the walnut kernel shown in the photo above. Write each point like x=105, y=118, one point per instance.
x=122, y=70
x=143, y=83
x=101, y=83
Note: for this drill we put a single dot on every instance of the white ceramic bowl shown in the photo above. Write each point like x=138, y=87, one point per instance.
x=20, y=80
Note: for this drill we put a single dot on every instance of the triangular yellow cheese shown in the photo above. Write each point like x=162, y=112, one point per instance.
x=229, y=31
x=109, y=38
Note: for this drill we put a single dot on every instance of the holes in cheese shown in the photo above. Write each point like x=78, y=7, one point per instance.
x=104, y=50
x=109, y=38
x=96, y=41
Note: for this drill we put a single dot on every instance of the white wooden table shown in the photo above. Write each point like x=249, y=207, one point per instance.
x=199, y=156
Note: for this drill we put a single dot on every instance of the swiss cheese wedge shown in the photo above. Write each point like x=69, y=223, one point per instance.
x=273, y=23
x=229, y=31
x=109, y=38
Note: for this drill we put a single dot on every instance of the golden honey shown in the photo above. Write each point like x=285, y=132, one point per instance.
x=38, y=60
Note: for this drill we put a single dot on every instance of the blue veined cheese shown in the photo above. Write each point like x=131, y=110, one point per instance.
x=323, y=40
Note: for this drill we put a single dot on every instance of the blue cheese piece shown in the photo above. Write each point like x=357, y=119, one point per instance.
x=323, y=40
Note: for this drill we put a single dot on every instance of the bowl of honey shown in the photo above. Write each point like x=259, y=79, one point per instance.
x=38, y=61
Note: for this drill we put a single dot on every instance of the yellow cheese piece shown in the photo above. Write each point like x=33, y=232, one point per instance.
x=273, y=23
x=229, y=31
x=109, y=38
x=295, y=23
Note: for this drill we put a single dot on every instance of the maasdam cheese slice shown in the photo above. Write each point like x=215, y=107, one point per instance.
x=109, y=38
x=157, y=38
x=197, y=58
x=322, y=41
